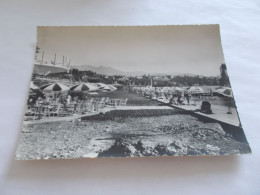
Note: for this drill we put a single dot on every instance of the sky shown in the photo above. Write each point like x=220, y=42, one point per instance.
x=191, y=49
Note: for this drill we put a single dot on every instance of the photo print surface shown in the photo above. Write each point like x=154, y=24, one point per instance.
x=129, y=91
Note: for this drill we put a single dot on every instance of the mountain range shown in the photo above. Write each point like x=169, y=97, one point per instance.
x=107, y=70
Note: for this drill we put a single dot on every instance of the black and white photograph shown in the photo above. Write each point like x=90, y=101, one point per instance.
x=129, y=91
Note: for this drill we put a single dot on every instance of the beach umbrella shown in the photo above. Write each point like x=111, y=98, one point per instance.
x=109, y=88
x=149, y=88
x=47, y=73
x=225, y=91
x=179, y=89
x=173, y=90
x=117, y=85
x=165, y=89
x=101, y=85
x=84, y=87
x=195, y=89
x=32, y=92
x=228, y=92
x=54, y=87
x=94, y=85
x=45, y=85
x=113, y=88
x=33, y=86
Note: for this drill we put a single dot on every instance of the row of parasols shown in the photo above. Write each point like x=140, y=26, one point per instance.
x=224, y=91
x=193, y=89
x=59, y=87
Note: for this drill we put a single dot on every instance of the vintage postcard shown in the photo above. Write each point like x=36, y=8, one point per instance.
x=129, y=91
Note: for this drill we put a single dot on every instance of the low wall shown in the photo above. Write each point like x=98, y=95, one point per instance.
x=134, y=113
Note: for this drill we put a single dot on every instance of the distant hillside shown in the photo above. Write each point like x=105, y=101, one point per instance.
x=100, y=69
x=106, y=70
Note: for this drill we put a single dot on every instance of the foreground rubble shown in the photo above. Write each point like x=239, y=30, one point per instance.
x=121, y=135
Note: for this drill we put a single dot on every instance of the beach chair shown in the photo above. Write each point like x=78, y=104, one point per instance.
x=112, y=102
x=46, y=111
x=70, y=107
x=102, y=103
x=30, y=111
x=88, y=105
x=123, y=102
x=55, y=110
x=107, y=101
x=81, y=108
x=38, y=112
x=180, y=101
x=197, y=101
x=95, y=106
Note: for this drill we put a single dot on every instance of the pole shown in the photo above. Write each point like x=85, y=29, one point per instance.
x=54, y=59
x=62, y=60
x=42, y=56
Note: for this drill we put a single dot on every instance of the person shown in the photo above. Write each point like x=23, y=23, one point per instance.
x=63, y=102
x=68, y=99
x=57, y=99
x=186, y=95
x=47, y=99
x=75, y=102
x=189, y=98
x=179, y=100
x=83, y=105
x=39, y=101
x=230, y=103
x=156, y=94
x=50, y=98
x=39, y=106
x=30, y=101
x=171, y=101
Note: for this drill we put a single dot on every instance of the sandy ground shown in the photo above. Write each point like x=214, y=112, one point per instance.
x=119, y=135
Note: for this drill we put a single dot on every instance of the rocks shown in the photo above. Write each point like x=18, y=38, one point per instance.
x=196, y=151
x=125, y=148
x=118, y=149
x=193, y=151
x=177, y=144
x=161, y=150
x=181, y=147
x=206, y=133
x=154, y=135
x=107, y=129
x=212, y=150
x=172, y=150
x=90, y=155
x=139, y=146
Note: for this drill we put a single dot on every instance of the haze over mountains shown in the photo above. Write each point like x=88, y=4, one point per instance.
x=107, y=70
